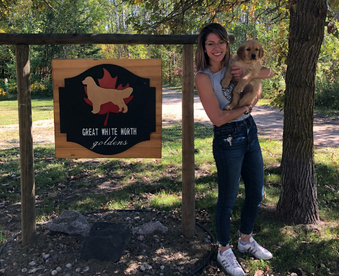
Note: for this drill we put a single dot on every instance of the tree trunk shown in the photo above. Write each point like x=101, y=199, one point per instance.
x=116, y=17
x=298, y=198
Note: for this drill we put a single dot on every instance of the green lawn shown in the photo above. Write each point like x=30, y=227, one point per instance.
x=42, y=109
x=156, y=184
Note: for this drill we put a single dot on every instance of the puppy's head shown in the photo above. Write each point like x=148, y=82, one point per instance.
x=250, y=50
x=87, y=80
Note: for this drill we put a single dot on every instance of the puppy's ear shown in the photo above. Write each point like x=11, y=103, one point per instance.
x=261, y=52
x=241, y=52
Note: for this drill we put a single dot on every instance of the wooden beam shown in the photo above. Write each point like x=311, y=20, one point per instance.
x=58, y=39
x=188, y=192
x=28, y=223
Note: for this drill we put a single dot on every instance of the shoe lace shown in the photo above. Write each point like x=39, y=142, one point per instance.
x=230, y=261
x=254, y=247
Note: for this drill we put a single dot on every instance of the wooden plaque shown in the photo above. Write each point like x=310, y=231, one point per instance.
x=107, y=108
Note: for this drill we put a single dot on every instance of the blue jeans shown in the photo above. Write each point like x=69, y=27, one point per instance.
x=237, y=153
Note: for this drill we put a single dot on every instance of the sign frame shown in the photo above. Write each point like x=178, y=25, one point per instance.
x=64, y=69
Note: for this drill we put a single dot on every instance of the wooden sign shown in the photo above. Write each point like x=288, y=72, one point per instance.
x=107, y=108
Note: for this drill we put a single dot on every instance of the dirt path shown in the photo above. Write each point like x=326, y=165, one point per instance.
x=269, y=121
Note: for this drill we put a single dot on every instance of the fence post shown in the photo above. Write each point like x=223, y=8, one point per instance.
x=28, y=223
x=188, y=192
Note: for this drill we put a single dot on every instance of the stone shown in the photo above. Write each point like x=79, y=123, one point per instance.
x=71, y=223
x=149, y=228
x=105, y=242
x=85, y=269
x=45, y=256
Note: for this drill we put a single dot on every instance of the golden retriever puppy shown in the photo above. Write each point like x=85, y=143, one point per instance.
x=98, y=95
x=248, y=57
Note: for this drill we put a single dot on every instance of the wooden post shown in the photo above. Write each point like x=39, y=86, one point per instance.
x=28, y=222
x=188, y=192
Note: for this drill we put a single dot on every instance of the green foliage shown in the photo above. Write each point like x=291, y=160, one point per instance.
x=5, y=8
x=326, y=95
x=265, y=21
x=43, y=88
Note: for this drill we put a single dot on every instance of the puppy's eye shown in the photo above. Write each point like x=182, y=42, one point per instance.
x=256, y=49
x=248, y=49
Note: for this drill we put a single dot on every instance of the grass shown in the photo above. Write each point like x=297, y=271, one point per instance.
x=78, y=184
x=41, y=109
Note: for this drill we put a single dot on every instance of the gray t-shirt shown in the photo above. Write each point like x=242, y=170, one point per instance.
x=224, y=95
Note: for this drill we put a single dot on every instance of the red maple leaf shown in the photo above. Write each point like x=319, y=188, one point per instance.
x=110, y=83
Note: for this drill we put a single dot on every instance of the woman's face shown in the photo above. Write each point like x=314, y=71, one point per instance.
x=215, y=48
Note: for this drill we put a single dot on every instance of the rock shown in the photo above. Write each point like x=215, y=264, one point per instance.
x=148, y=267
x=149, y=228
x=71, y=223
x=45, y=256
x=106, y=242
x=207, y=240
x=85, y=269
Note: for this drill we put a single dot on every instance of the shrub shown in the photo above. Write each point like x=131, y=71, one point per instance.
x=42, y=88
x=327, y=95
x=4, y=90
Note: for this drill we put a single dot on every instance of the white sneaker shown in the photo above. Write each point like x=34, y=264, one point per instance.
x=255, y=249
x=230, y=263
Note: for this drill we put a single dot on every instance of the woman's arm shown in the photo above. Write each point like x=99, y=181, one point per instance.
x=211, y=105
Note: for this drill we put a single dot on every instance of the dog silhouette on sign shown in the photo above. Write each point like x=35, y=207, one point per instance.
x=98, y=95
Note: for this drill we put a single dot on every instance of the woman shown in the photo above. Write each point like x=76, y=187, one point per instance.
x=236, y=147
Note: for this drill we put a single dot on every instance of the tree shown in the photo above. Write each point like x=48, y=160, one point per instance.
x=298, y=198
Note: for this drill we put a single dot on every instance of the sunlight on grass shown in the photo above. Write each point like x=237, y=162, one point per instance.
x=264, y=102
x=42, y=109
x=165, y=201
x=116, y=205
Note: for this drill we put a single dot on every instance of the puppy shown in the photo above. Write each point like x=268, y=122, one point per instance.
x=98, y=95
x=248, y=57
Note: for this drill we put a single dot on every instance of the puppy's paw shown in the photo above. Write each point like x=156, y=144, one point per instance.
x=225, y=83
x=228, y=107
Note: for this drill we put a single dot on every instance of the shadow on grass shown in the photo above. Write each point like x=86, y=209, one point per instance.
x=97, y=184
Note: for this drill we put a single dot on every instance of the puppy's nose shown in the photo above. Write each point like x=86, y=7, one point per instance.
x=253, y=56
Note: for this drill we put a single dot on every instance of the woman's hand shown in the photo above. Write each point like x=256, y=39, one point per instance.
x=264, y=73
x=237, y=72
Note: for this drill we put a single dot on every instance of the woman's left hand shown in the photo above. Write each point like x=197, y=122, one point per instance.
x=237, y=72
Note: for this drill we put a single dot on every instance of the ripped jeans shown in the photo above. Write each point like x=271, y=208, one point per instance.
x=237, y=153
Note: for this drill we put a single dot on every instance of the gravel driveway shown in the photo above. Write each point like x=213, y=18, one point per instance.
x=269, y=120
